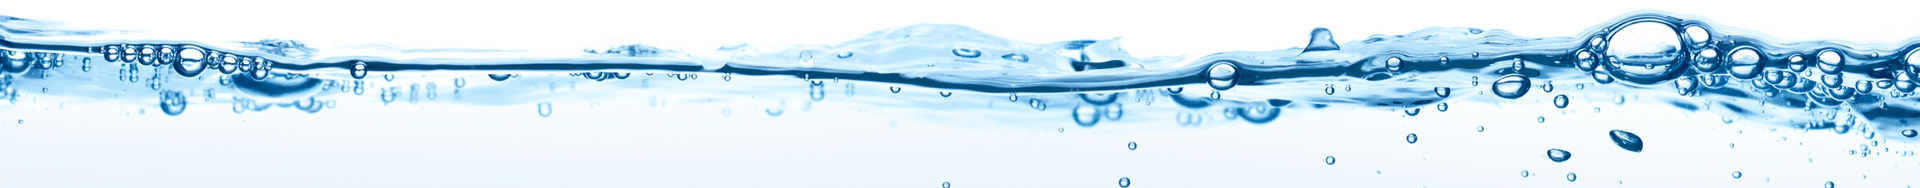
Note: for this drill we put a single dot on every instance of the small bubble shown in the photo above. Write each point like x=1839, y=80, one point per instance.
x=1413, y=112
x=844, y=55
x=1547, y=87
x=946, y=94
x=1015, y=57
x=1571, y=177
x=1541, y=119
x=1037, y=105
x=173, y=103
x=1482, y=128
x=1560, y=101
x=1829, y=184
x=1511, y=86
x=1736, y=174
x=546, y=109
x=1558, y=155
x=1602, y=78
x=389, y=77
x=1221, y=76
x=1124, y=182
x=1329, y=160
x=894, y=89
x=1393, y=63
x=1411, y=138
x=359, y=70
x=1443, y=92
x=946, y=184
x=1524, y=173
x=499, y=77
x=966, y=52
x=1909, y=133
x=1132, y=146
x=1442, y=107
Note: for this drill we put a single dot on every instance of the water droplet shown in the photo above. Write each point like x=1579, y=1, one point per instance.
x=1322, y=40
x=1124, y=182
x=1443, y=92
x=1736, y=174
x=499, y=77
x=1830, y=61
x=173, y=103
x=966, y=52
x=1559, y=155
x=1411, y=138
x=1571, y=177
x=1393, y=64
x=1744, y=62
x=1560, y=101
x=546, y=109
x=1626, y=140
x=1511, y=86
x=1222, y=75
x=1442, y=107
x=1329, y=160
x=1649, y=46
x=1132, y=146
x=359, y=70
x=1015, y=57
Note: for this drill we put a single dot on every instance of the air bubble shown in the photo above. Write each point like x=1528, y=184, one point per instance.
x=1329, y=89
x=546, y=109
x=1124, y=182
x=966, y=52
x=1015, y=57
x=1602, y=78
x=1443, y=92
x=173, y=103
x=1442, y=107
x=1585, y=60
x=844, y=55
x=1909, y=133
x=1571, y=177
x=499, y=77
x=1393, y=63
x=1411, y=138
x=1559, y=155
x=1329, y=160
x=946, y=94
x=1037, y=105
x=1482, y=128
x=1560, y=101
x=1796, y=63
x=1524, y=173
x=1132, y=146
x=191, y=61
x=1222, y=75
x=893, y=89
x=1707, y=60
x=1736, y=174
x=359, y=70
x=1831, y=61
x=1626, y=140
x=1510, y=86
x=1644, y=52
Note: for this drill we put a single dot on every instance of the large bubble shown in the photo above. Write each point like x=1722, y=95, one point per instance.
x=1645, y=52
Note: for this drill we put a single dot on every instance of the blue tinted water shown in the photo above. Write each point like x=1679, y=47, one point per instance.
x=931, y=103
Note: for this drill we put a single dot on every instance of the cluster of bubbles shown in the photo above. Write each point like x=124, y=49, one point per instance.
x=187, y=60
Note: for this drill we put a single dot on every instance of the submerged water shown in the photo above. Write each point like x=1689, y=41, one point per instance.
x=933, y=104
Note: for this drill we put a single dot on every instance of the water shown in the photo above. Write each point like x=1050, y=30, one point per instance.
x=956, y=98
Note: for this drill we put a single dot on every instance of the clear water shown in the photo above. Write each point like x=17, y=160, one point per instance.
x=1647, y=100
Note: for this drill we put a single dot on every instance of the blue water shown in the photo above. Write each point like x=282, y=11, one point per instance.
x=1682, y=83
